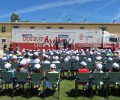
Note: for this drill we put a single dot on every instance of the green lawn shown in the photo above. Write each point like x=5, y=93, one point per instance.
x=66, y=93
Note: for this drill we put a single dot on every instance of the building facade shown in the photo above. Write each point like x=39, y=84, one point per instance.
x=6, y=28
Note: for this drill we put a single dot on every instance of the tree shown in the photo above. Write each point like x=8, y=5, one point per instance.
x=14, y=17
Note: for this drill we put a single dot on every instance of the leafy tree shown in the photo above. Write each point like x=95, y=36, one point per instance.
x=14, y=17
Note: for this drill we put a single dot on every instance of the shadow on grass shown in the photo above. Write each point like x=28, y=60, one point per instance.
x=86, y=93
x=22, y=92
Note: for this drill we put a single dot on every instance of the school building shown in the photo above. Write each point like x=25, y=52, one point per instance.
x=6, y=28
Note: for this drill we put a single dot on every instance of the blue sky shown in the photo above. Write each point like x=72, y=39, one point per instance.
x=61, y=10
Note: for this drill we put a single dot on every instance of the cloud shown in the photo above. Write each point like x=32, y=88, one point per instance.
x=48, y=6
x=105, y=5
x=62, y=16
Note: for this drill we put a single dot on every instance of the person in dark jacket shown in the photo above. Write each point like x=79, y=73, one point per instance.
x=65, y=43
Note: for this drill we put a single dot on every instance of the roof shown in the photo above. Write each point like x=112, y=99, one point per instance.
x=55, y=23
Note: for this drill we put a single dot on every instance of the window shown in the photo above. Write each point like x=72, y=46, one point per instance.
x=48, y=27
x=81, y=27
x=15, y=26
x=113, y=39
x=103, y=28
x=61, y=27
x=4, y=41
x=3, y=29
x=32, y=27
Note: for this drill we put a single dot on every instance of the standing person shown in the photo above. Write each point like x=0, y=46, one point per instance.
x=17, y=47
x=5, y=49
x=11, y=49
x=73, y=44
x=56, y=43
x=61, y=42
x=69, y=44
x=65, y=43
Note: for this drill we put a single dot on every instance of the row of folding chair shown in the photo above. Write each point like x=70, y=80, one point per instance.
x=30, y=80
x=97, y=81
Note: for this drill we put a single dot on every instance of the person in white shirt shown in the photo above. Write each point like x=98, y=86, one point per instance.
x=98, y=68
x=46, y=60
x=56, y=60
x=35, y=59
x=53, y=69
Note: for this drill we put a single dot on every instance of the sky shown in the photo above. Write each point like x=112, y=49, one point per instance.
x=61, y=10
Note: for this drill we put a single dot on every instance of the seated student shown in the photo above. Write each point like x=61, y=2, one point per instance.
x=115, y=67
x=98, y=68
x=4, y=59
x=83, y=68
x=89, y=60
x=53, y=69
x=45, y=61
x=56, y=60
x=77, y=59
x=21, y=67
x=66, y=60
x=7, y=67
x=37, y=68
x=14, y=58
x=118, y=59
x=35, y=59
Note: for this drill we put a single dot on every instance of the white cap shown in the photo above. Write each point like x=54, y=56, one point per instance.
x=118, y=57
x=66, y=60
x=14, y=57
x=98, y=58
x=110, y=59
x=83, y=63
x=46, y=56
x=51, y=53
x=89, y=59
x=115, y=65
x=52, y=66
x=73, y=57
x=91, y=53
x=37, y=61
x=7, y=66
x=4, y=55
x=108, y=54
x=99, y=66
x=4, y=58
x=10, y=55
x=56, y=58
x=19, y=53
x=67, y=52
x=23, y=62
x=83, y=54
x=36, y=54
x=77, y=58
x=37, y=66
x=98, y=53
x=30, y=54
